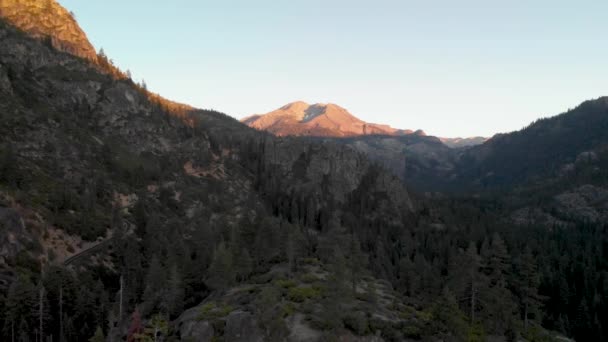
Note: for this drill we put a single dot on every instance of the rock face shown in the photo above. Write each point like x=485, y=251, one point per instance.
x=586, y=203
x=5, y=83
x=324, y=120
x=46, y=19
x=242, y=326
x=201, y=331
x=13, y=235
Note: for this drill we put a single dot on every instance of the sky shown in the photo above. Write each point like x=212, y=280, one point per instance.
x=451, y=68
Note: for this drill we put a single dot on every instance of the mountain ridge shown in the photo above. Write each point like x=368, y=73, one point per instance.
x=320, y=119
x=331, y=120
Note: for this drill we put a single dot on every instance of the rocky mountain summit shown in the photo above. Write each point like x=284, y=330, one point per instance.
x=321, y=120
x=49, y=21
x=332, y=121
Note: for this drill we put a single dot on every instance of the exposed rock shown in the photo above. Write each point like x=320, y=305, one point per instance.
x=5, y=83
x=299, y=331
x=241, y=326
x=46, y=19
x=201, y=331
x=330, y=168
x=13, y=234
x=528, y=216
x=190, y=327
x=586, y=157
x=585, y=203
x=321, y=120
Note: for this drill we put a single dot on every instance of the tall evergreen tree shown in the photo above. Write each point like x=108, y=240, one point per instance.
x=528, y=282
x=221, y=272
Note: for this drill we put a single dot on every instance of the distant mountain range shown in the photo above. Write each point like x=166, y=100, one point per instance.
x=330, y=120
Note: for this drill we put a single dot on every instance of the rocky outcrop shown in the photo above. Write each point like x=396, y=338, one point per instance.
x=5, y=83
x=191, y=327
x=46, y=19
x=13, y=235
x=242, y=326
x=586, y=203
x=200, y=331
x=327, y=167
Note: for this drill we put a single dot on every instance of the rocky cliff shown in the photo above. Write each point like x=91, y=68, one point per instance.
x=47, y=20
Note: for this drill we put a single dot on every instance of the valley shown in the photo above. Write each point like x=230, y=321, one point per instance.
x=125, y=216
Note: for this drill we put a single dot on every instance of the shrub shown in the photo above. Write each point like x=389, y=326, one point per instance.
x=287, y=310
x=356, y=322
x=302, y=293
x=211, y=311
x=285, y=283
x=309, y=278
x=412, y=331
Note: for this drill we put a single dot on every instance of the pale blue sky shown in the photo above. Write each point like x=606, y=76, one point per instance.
x=452, y=68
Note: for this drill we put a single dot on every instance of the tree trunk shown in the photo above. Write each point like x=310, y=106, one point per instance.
x=526, y=316
x=41, y=311
x=472, y=302
x=61, y=313
x=120, y=301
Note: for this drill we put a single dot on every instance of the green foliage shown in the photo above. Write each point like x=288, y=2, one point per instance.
x=311, y=261
x=285, y=283
x=356, y=322
x=288, y=309
x=271, y=314
x=309, y=278
x=301, y=293
x=535, y=334
x=213, y=310
x=476, y=334
x=221, y=271
x=98, y=337
x=412, y=331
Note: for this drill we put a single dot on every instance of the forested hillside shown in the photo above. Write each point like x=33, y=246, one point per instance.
x=540, y=150
x=124, y=216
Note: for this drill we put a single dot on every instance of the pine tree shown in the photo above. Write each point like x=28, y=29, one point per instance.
x=102, y=55
x=407, y=283
x=157, y=327
x=528, y=283
x=156, y=281
x=173, y=300
x=357, y=262
x=221, y=271
x=21, y=305
x=243, y=264
x=332, y=314
x=99, y=336
x=446, y=311
x=472, y=264
x=498, y=300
